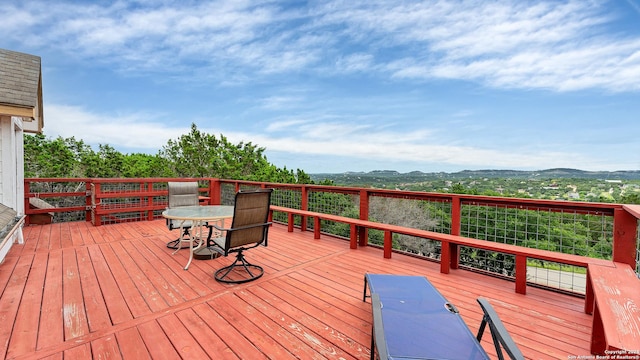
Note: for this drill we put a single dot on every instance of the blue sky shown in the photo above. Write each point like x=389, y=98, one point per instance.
x=346, y=85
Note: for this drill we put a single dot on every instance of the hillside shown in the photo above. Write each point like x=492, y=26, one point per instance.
x=555, y=184
x=562, y=173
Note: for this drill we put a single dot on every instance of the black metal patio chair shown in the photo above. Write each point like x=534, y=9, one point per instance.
x=181, y=194
x=249, y=228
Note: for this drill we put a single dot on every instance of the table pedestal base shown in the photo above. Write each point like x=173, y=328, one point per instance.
x=175, y=243
x=205, y=253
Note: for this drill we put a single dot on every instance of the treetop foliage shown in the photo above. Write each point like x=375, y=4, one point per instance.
x=196, y=154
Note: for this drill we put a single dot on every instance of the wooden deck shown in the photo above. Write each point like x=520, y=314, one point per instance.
x=74, y=291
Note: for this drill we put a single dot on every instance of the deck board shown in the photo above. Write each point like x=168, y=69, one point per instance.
x=116, y=291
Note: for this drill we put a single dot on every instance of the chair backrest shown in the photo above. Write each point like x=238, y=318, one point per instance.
x=501, y=338
x=250, y=219
x=182, y=193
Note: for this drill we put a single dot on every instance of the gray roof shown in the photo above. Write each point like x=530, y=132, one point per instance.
x=7, y=220
x=19, y=78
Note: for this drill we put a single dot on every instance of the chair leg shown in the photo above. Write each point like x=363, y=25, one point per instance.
x=249, y=272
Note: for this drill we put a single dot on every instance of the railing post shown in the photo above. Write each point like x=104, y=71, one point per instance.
x=445, y=257
x=142, y=187
x=304, y=204
x=521, y=274
x=456, y=216
x=88, y=203
x=388, y=244
x=364, y=215
x=27, y=190
x=625, y=227
x=97, y=207
x=149, y=200
x=215, y=192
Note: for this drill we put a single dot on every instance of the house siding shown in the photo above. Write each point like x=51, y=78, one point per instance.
x=3, y=119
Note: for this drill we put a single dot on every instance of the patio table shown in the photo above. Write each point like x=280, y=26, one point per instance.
x=199, y=216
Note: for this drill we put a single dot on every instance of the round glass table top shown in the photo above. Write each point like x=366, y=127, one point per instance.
x=208, y=212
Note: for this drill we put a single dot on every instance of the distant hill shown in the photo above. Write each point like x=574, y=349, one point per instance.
x=513, y=174
x=554, y=173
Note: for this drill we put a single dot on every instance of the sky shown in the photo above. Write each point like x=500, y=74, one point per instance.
x=332, y=86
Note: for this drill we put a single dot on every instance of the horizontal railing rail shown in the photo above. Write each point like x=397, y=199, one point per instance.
x=601, y=230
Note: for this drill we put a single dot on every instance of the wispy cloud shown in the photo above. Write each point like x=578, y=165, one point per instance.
x=634, y=5
x=141, y=135
x=554, y=45
x=343, y=78
x=394, y=147
x=355, y=63
x=312, y=137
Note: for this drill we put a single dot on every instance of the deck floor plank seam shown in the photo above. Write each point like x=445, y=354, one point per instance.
x=292, y=319
x=243, y=317
x=316, y=320
x=351, y=333
x=51, y=328
x=126, y=286
x=211, y=343
x=10, y=303
x=232, y=337
x=76, y=323
x=280, y=324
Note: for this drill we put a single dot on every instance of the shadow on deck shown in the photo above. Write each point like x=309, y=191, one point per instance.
x=75, y=291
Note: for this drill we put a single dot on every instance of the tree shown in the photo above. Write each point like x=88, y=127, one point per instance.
x=196, y=154
x=199, y=154
x=408, y=213
x=632, y=198
x=145, y=166
x=53, y=158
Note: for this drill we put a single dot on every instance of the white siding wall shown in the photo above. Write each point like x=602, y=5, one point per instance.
x=12, y=164
x=11, y=176
x=8, y=159
x=18, y=133
x=3, y=120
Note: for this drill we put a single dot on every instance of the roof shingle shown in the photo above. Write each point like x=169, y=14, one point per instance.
x=19, y=78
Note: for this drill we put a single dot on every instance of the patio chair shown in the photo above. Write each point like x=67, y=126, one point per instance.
x=501, y=338
x=249, y=229
x=181, y=194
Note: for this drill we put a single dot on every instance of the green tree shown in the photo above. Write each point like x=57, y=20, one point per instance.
x=53, y=158
x=632, y=198
x=195, y=154
x=145, y=166
x=198, y=154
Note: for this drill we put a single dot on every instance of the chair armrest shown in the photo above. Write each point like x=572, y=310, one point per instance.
x=219, y=228
x=499, y=333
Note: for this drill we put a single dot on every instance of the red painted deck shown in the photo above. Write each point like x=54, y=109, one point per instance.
x=74, y=291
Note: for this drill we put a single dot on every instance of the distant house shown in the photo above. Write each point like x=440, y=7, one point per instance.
x=20, y=112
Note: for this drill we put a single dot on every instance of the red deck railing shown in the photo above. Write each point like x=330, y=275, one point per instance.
x=600, y=230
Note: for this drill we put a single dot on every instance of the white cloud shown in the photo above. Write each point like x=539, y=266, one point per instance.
x=501, y=44
x=360, y=143
x=279, y=102
x=390, y=147
x=355, y=62
x=93, y=128
x=557, y=45
x=284, y=125
x=562, y=46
